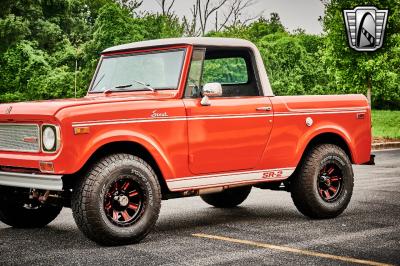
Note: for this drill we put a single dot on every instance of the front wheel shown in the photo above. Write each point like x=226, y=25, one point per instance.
x=118, y=201
x=324, y=184
x=17, y=210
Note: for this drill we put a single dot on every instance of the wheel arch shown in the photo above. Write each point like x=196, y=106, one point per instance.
x=326, y=137
x=132, y=147
x=329, y=138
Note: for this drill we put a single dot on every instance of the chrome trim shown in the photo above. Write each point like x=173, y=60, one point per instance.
x=58, y=138
x=25, y=124
x=213, y=89
x=264, y=108
x=38, y=181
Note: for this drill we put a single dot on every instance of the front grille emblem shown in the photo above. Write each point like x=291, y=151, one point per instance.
x=30, y=139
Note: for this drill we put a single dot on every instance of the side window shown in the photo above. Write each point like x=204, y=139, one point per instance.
x=227, y=71
x=233, y=69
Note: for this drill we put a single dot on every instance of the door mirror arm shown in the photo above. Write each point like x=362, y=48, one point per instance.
x=205, y=101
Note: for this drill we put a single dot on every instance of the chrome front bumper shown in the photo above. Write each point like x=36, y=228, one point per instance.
x=38, y=181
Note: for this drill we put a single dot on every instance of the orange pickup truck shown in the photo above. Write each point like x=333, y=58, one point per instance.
x=175, y=118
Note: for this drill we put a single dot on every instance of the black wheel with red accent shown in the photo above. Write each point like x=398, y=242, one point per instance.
x=330, y=182
x=123, y=202
x=118, y=201
x=323, y=185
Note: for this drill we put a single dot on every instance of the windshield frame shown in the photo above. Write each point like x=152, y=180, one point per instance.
x=140, y=52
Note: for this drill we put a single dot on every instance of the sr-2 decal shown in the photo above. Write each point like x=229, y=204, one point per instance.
x=273, y=174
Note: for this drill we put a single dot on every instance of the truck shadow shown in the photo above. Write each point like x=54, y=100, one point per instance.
x=209, y=217
x=63, y=234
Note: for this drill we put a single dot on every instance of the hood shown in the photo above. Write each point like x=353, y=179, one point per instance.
x=46, y=110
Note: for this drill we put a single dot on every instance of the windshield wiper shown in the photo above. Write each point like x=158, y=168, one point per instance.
x=147, y=86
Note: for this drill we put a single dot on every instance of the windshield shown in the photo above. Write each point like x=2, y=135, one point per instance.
x=158, y=70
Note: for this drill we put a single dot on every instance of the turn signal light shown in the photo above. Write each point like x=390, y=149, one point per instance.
x=46, y=167
x=81, y=130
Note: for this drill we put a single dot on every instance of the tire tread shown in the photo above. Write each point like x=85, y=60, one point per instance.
x=302, y=184
x=84, y=212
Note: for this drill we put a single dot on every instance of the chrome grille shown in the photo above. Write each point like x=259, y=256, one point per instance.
x=19, y=137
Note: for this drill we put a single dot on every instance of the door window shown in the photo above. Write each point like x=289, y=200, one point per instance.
x=227, y=71
x=233, y=69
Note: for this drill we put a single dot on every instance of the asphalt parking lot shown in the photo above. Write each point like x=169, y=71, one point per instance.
x=265, y=230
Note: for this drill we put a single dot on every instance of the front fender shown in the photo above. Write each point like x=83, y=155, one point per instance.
x=110, y=136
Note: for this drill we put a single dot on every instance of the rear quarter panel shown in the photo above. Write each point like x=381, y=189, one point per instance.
x=337, y=114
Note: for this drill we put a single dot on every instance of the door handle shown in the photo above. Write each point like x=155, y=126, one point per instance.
x=264, y=108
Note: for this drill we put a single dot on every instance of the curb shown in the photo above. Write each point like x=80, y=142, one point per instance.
x=386, y=145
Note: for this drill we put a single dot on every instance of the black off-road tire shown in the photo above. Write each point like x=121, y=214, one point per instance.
x=89, y=196
x=228, y=198
x=15, y=212
x=305, y=187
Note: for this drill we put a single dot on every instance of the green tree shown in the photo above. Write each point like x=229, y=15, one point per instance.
x=40, y=40
x=292, y=69
x=157, y=26
x=18, y=64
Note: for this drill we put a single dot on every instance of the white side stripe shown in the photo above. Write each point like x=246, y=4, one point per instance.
x=318, y=113
x=126, y=121
x=204, y=181
x=173, y=118
x=206, y=117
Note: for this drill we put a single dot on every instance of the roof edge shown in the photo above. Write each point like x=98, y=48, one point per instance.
x=195, y=41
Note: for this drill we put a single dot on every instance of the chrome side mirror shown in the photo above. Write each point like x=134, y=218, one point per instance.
x=210, y=90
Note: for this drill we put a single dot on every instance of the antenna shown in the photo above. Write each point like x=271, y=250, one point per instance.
x=76, y=70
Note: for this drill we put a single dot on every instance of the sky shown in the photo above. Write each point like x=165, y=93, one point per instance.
x=294, y=14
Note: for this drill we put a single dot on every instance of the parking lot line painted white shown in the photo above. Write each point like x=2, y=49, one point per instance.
x=292, y=250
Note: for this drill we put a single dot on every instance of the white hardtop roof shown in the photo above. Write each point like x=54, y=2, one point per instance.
x=195, y=41
x=204, y=41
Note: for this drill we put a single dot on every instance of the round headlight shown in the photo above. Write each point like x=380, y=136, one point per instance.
x=49, y=138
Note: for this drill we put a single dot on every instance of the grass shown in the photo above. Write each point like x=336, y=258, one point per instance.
x=386, y=124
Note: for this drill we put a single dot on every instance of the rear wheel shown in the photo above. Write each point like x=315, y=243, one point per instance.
x=17, y=210
x=119, y=200
x=324, y=184
x=228, y=198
